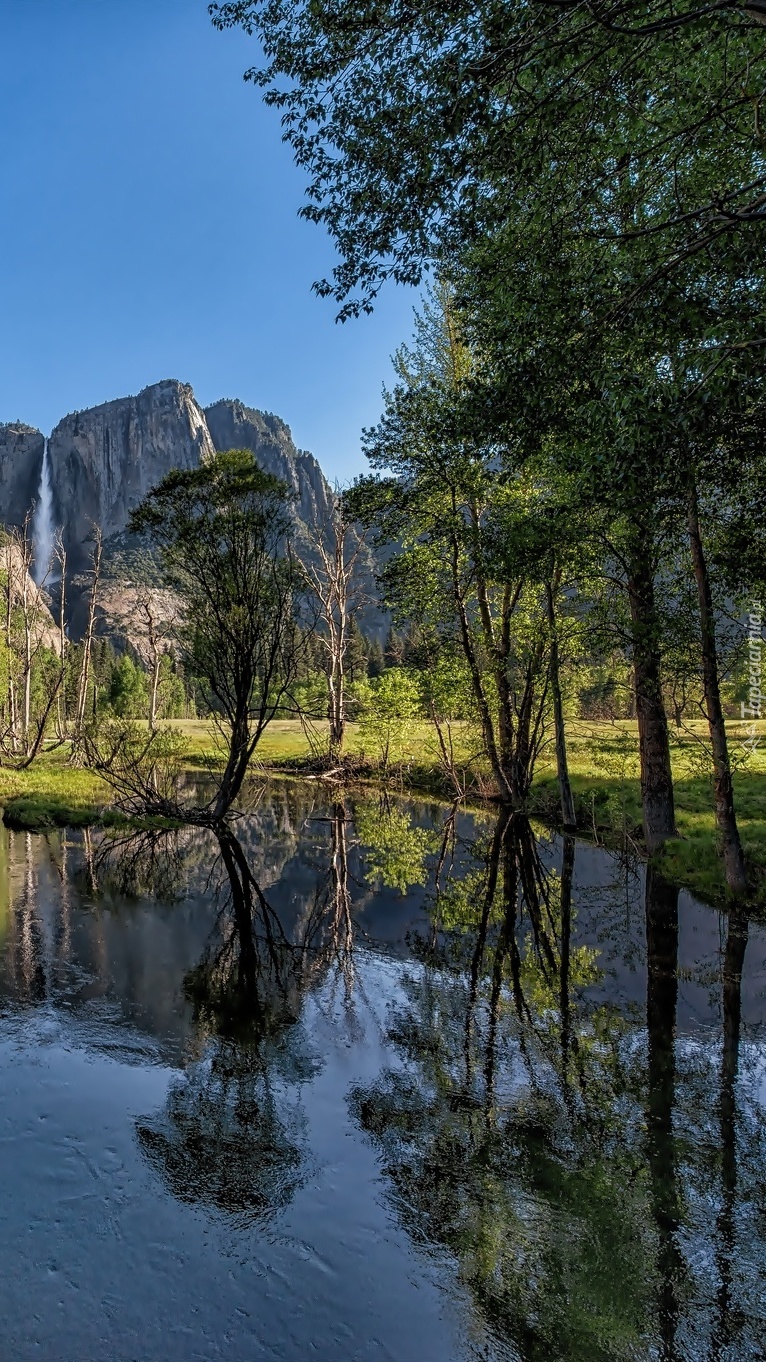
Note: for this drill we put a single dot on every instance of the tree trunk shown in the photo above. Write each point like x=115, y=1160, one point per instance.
x=27, y=681
x=725, y=816
x=653, y=738
x=336, y=709
x=487, y=727
x=61, y=697
x=562, y=766
x=27, y=613
x=240, y=751
x=155, y=687
x=567, y=875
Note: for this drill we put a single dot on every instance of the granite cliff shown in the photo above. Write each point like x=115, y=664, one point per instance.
x=104, y=460
x=235, y=426
x=21, y=457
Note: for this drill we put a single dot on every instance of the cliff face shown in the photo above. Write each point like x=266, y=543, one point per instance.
x=235, y=426
x=105, y=460
x=21, y=458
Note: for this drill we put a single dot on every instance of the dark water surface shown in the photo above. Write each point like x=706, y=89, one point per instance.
x=371, y=1081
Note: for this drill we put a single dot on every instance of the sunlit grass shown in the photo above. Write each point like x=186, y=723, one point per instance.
x=52, y=793
x=604, y=768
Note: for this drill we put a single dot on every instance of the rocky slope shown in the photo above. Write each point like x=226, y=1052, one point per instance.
x=235, y=426
x=27, y=595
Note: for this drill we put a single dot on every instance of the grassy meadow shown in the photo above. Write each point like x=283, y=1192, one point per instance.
x=603, y=758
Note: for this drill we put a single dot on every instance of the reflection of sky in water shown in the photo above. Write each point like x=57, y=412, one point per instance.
x=188, y=1174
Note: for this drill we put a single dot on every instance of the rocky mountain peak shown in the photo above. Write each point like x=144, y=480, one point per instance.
x=232, y=425
x=105, y=460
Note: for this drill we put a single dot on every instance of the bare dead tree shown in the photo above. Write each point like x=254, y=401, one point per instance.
x=156, y=629
x=56, y=690
x=11, y=731
x=82, y=689
x=59, y=554
x=150, y=620
x=334, y=580
x=143, y=769
x=30, y=601
x=29, y=630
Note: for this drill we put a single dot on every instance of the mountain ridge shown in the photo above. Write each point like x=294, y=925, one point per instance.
x=103, y=460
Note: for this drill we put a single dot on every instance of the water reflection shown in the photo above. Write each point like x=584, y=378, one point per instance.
x=229, y=1135
x=574, y=1193
x=557, y=1060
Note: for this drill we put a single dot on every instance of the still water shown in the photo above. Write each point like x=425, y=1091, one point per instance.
x=374, y=1080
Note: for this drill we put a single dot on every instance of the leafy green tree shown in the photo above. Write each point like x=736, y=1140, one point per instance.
x=600, y=173
x=439, y=504
x=357, y=652
x=222, y=531
x=421, y=127
x=128, y=689
x=387, y=706
x=376, y=660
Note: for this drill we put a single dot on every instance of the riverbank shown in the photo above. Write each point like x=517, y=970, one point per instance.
x=604, y=772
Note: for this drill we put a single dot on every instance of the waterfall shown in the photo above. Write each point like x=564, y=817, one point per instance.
x=42, y=522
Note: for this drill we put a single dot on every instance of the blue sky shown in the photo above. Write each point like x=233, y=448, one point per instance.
x=148, y=229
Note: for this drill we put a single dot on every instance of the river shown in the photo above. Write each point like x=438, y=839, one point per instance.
x=370, y=1078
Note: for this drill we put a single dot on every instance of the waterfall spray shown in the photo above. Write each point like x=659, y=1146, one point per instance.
x=42, y=522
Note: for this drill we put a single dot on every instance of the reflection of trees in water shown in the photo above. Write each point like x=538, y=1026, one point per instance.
x=395, y=848
x=231, y=1134
x=227, y=1136
x=599, y=1180
x=661, y=1155
x=154, y=863
x=725, y=1328
x=536, y=1136
x=35, y=931
x=326, y=926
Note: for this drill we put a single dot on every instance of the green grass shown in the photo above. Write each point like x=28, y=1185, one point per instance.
x=603, y=761
x=52, y=794
x=604, y=769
